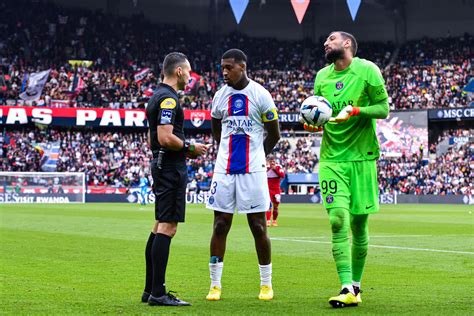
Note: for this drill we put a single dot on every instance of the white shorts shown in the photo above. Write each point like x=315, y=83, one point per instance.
x=248, y=193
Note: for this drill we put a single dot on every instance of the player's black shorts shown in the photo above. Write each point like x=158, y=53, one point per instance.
x=169, y=186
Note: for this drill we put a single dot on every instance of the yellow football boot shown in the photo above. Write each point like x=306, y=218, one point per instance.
x=266, y=293
x=344, y=299
x=357, y=292
x=214, y=294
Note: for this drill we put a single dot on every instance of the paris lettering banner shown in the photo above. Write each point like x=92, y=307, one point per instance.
x=96, y=117
x=23, y=115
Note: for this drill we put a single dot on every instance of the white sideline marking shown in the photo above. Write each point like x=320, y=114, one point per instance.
x=380, y=236
x=378, y=246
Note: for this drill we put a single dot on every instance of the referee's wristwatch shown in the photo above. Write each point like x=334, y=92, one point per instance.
x=188, y=147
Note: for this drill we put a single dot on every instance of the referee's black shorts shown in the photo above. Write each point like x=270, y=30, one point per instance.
x=169, y=186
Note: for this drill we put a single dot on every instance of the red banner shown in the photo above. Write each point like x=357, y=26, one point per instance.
x=20, y=115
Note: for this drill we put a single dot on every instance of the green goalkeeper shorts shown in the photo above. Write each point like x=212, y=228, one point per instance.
x=351, y=185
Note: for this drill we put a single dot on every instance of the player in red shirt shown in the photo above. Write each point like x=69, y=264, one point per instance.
x=274, y=174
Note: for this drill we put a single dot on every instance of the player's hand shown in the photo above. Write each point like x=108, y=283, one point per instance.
x=345, y=114
x=199, y=150
x=312, y=128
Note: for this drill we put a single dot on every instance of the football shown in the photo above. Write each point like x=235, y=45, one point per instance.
x=315, y=110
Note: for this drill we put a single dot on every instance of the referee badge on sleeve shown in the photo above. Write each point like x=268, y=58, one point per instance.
x=168, y=103
x=166, y=116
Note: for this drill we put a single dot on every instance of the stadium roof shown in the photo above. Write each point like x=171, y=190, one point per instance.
x=395, y=20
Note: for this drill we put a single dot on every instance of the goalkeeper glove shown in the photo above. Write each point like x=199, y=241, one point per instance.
x=312, y=128
x=345, y=114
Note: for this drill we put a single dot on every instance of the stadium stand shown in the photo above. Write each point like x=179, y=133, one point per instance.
x=424, y=74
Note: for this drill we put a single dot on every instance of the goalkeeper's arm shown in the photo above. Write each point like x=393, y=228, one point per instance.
x=378, y=110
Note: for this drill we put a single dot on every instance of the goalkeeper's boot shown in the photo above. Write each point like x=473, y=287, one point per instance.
x=214, y=294
x=344, y=299
x=275, y=223
x=266, y=293
x=357, y=292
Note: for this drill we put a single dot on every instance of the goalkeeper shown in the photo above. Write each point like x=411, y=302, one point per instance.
x=349, y=150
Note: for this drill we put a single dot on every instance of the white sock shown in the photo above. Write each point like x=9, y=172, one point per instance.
x=215, y=270
x=265, y=274
x=354, y=283
x=349, y=287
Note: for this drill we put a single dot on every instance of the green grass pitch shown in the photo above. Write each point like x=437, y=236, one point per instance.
x=89, y=259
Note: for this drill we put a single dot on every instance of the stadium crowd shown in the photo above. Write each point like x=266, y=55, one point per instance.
x=431, y=73
x=450, y=173
x=425, y=74
x=107, y=158
x=117, y=159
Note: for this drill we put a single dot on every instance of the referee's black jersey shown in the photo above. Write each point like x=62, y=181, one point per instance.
x=163, y=109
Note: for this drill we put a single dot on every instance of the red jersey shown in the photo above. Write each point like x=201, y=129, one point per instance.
x=274, y=176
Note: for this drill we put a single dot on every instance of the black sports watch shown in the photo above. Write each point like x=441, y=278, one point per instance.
x=188, y=147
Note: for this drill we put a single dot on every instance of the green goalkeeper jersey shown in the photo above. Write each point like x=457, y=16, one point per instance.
x=361, y=84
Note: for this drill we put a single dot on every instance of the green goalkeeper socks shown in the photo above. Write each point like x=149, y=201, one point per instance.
x=360, y=244
x=339, y=219
x=349, y=263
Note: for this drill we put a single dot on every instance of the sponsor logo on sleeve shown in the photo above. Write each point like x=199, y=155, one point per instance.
x=380, y=91
x=166, y=116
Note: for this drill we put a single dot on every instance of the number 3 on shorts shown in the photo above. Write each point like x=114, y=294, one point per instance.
x=213, y=187
x=329, y=186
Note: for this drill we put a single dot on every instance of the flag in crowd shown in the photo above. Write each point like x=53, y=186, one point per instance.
x=35, y=85
x=50, y=156
x=139, y=76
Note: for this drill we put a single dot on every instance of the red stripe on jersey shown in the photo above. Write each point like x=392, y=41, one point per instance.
x=247, y=153
x=229, y=106
x=246, y=105
x=230, y=151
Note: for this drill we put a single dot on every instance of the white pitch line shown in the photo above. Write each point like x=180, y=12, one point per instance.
x=379, y=246
x=370, y=236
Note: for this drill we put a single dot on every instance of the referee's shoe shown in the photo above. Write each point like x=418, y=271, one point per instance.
x=166, y=300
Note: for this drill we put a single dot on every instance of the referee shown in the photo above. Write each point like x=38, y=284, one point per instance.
x=168, y=168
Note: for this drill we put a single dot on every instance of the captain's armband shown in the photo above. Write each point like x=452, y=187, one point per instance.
x=271, y=115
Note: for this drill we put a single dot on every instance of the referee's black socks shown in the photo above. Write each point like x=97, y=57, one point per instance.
x=160, y=254
x=148, y=263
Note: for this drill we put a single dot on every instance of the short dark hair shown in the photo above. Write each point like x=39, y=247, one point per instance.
x=171, y=61
x=345, y=36
x=238, y=55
